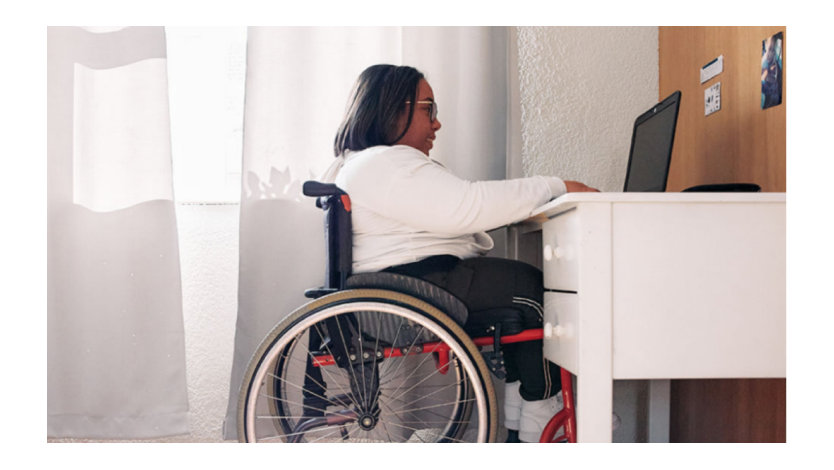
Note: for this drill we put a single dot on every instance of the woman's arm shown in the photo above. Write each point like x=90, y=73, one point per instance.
x=402, y=184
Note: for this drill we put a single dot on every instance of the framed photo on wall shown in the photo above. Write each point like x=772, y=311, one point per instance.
x=772, y=71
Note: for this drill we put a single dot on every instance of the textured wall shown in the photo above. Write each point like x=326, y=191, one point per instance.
x=209, y=252
x=581, y=88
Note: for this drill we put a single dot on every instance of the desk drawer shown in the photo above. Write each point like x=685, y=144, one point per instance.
x=561, y=329
x=560, y=245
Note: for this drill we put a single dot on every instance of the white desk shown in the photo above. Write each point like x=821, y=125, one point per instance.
x=661, y=286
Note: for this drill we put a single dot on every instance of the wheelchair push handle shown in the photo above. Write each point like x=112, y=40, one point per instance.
x=317, y=189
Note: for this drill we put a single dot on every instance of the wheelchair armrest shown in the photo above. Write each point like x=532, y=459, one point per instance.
x=316, y=189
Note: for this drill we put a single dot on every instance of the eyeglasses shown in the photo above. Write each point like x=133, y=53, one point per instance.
x=432, y=108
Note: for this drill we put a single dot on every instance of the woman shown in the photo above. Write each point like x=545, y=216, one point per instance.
x=412, y=216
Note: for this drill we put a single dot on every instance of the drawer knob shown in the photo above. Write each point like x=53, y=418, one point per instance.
x=551, y=331
x=550, y=252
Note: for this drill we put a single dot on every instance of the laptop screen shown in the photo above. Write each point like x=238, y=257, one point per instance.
x=651, y=146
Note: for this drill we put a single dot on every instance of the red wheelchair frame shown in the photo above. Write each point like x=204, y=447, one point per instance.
x=565, y=418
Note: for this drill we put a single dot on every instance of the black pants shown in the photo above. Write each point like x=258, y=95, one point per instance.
x=487, y=283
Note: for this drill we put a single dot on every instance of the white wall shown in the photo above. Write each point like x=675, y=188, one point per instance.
x=581, y=88
x=208, y=237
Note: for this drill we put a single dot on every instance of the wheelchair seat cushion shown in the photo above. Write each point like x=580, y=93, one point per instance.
x=415, y=287
x=477, y=323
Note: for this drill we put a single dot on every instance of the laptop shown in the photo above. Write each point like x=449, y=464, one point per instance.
x=651, y=146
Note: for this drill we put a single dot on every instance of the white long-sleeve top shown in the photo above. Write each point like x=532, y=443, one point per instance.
x=407, y=207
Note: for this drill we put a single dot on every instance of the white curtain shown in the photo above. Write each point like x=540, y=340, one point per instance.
x=116, y=354
x=297, y=85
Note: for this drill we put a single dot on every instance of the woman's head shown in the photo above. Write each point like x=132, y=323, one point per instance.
x=381, y=110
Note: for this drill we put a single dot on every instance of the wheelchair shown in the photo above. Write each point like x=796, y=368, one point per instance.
x=380, y=357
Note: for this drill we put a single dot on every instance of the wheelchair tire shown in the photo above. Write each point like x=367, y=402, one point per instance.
x=412, y=397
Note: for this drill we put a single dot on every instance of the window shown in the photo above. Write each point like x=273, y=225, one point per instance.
x=206, y=74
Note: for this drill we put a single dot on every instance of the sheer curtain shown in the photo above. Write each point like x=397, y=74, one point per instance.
x=116, y=355
x=297, y=84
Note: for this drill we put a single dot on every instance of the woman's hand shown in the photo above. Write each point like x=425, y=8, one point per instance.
x=577, y=187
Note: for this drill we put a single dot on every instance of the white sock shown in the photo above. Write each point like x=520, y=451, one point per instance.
x=512, y=405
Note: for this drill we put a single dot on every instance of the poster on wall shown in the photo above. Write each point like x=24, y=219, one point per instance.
x=772, y=71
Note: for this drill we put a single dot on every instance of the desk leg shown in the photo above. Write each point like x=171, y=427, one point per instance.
x=659, y=406
x=594, y=406
x=595, y=388
x=513, y=241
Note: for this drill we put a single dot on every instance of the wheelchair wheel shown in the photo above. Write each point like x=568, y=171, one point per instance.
x=367, y=365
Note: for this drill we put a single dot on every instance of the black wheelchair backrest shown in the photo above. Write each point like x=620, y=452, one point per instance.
x=337, y=232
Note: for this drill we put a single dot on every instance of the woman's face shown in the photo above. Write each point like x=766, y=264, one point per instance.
x=422, y=131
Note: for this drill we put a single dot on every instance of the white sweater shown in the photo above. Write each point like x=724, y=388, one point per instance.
x=407, y=207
